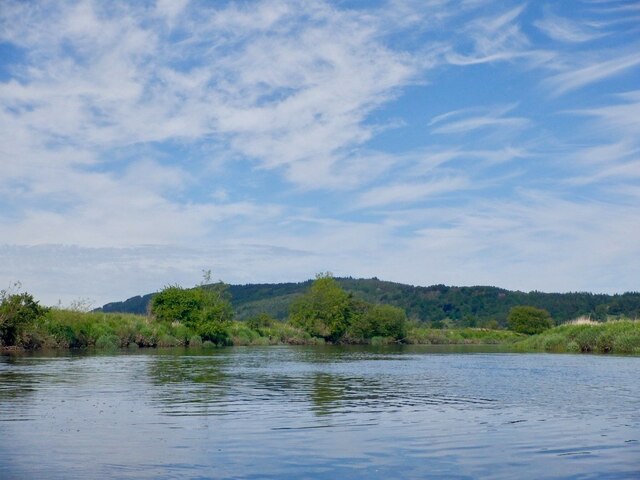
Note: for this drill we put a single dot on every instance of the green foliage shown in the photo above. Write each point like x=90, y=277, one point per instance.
x=378, y=321
x=462, y=306
x=205, y=309
x=215, y=332
x=177, y=303
x=324, y=311
x=260, y=321
x=529, y=320
x=108, y=342
x=621, y=337
x=418, y=334
x=17, y=311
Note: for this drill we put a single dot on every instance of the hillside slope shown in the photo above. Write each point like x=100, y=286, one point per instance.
x=463, y=305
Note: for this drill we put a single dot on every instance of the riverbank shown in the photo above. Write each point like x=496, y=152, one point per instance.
x=618, y=337
x=64, y=329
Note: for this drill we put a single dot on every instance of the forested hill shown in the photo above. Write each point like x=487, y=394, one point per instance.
x=463, y=305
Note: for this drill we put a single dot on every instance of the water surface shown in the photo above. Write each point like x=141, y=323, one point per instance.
x=325, y=412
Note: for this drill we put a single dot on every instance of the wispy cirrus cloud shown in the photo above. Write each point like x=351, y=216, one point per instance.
x=496, y=38
x=410, y=192
x=593, y=72
x=565, y=30
x=619, y=159
x=462, y=121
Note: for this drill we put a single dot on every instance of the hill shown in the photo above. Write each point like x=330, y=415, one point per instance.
x=462, y=305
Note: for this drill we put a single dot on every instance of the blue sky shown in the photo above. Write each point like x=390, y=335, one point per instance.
x=458, y=142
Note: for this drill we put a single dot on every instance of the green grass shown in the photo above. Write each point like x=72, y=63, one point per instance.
x=111, y=331
x=620, y=337
x=460, y=336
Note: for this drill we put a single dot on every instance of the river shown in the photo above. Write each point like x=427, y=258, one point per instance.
x=321, y=413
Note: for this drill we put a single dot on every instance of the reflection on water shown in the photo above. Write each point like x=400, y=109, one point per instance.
x=330, y=412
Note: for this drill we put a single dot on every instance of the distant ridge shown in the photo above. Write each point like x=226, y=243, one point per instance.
x=462, y=305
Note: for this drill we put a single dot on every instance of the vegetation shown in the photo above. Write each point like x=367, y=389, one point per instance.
x=529, y=320
x=377, y=321
x=18, y=311
x=439, y=305
x=325, y=313
x=206, y=310
x=619, y=336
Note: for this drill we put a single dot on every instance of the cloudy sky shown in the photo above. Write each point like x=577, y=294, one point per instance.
x=434, y=141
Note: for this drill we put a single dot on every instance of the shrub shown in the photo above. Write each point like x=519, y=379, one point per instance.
x=177, y=303
x=573, y=347
x=626, y=343
x=260, y=321
x=17, y=310
x=529, y=320
x=379, y=321
x=378, y=341
x=554, y=343
x=214, y=332
x=260, y=341
x=166, y=340
x=587, y=338
x=108, y=342
x=605, y=342
x=324, y=310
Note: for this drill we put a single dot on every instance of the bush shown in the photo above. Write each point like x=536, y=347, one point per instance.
x=177, y=303
x=587, y=338
x=529, y=320
x=379, y=321
x=605, y=342
x=554, y=343
x=260, y=321
x=214, y=333
x=108, y=342
x=17, y=310
x=324, y=310
x=379, y=341
x=166, y=340
x=627, y=343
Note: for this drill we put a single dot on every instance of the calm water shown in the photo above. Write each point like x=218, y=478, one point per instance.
x=319, y=413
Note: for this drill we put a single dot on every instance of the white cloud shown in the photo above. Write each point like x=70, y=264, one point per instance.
x=410, y=192
x=596, y=71
x=566, y=30
x=154, y=140
x=460, y=121
x=496, y=38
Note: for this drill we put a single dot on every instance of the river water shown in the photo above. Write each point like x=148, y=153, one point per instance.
x=319, y=412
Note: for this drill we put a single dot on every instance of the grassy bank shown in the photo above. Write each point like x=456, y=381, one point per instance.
x=64, y=329
x=460, y=336
x=70, y=329
x=621, y=337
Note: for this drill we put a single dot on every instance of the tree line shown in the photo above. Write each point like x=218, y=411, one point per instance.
x=438, y=305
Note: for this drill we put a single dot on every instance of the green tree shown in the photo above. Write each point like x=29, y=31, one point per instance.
x=529, y=320
x=17, y=310
x=205, y=309
x=379, y=321
x=175, y=303
x=215, y=314
x=260, y=321
x=324, y=311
